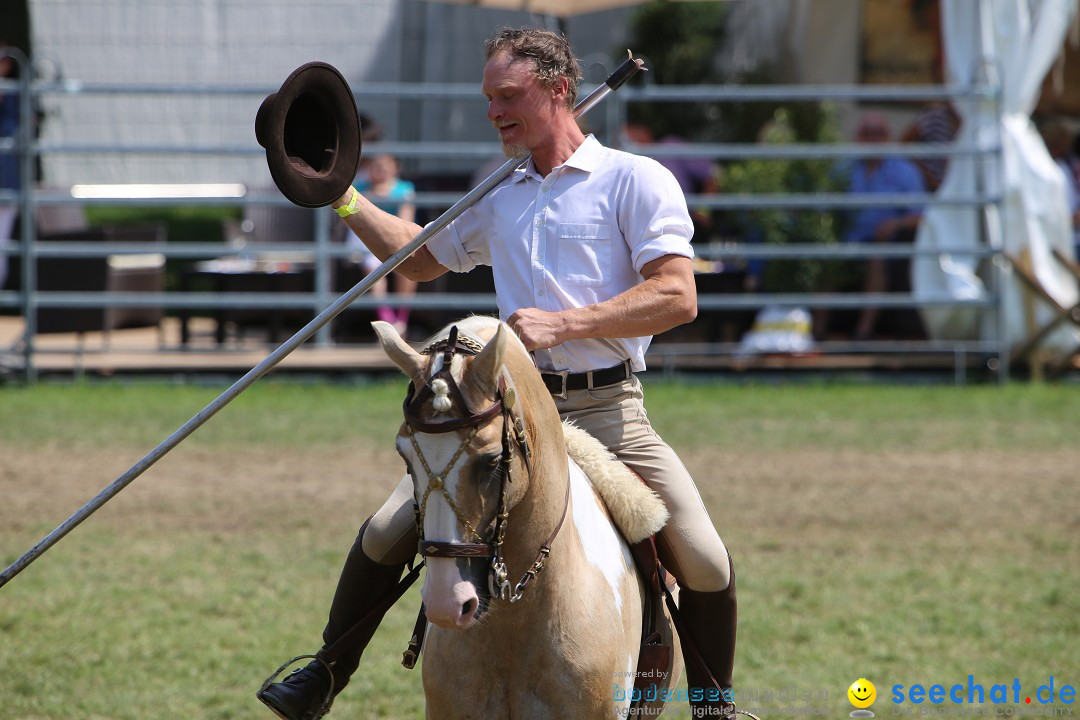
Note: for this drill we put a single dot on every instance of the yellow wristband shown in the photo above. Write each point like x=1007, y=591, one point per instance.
x=350, y=209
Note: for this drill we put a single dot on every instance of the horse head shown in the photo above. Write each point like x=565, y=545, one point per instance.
x=465, y=443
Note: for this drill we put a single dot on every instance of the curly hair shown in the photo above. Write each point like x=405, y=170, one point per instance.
x=548, y=51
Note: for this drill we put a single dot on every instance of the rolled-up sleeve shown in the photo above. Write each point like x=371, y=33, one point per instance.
x=463, y=244
x=653, y=214
x=448, y=249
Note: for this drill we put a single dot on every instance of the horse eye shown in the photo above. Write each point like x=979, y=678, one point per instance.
x=493, y=461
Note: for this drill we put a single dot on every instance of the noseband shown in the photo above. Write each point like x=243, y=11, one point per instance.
x=513, y=433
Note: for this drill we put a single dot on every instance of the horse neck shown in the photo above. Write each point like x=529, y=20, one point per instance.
x=533, y=518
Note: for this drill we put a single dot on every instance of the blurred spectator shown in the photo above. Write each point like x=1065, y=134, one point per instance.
x=696, y=175
x=891, y=224
x=9, y=162
x=1061, y=142
x=937, y=122
x=370, y=132
x=379, y=182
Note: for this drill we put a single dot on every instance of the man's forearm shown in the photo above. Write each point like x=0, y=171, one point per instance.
x=666, y=298
x=384, y=234
x=646, y=309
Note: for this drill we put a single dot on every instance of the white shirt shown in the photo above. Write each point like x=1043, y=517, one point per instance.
x=577, y=237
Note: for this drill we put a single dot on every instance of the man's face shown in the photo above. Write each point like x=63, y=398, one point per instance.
x=519, y=107
x=873, y=130
x=382, y=168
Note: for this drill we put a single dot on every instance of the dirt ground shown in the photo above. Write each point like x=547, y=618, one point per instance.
x=843, y=556
x=812, y=498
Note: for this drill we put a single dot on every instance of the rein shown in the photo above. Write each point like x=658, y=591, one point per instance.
x=513, y=434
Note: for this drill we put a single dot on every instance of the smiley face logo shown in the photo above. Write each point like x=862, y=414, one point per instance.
x=862, y=693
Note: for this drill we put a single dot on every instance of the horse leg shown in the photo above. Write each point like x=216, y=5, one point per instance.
x=710, y=619
x=362, y=588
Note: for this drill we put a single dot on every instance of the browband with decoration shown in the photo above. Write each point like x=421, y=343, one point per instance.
x=414, y=400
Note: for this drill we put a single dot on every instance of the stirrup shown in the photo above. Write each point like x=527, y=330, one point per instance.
x=274, y=676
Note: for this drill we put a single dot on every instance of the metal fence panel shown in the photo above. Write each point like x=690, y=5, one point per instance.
x=233, y=146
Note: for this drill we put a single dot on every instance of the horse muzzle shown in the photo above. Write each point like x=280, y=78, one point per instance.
x=455, y=591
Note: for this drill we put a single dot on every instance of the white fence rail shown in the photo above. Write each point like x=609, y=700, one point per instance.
x=30, y=298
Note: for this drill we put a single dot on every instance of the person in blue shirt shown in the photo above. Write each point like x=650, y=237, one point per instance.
x=379, y=182
x=9, y=162
x=891, y=224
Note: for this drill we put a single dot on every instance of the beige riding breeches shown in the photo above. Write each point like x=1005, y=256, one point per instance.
x=689, y=545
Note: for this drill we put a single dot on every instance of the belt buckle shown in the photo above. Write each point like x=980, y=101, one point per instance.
x=562, y=375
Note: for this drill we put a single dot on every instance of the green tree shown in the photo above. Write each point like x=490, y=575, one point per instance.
x=679, y=43
x=783, y=225
x=683, y=42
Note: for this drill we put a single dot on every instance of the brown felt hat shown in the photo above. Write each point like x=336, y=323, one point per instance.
x=311, y=131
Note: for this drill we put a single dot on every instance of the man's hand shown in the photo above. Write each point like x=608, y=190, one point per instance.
x=667, y=297
x=885, y=230
x=537, y=329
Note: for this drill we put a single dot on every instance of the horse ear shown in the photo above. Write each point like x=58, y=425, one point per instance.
x=484, y=369
x=410, y=361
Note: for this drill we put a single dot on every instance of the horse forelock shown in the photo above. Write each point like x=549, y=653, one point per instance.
x=457, y=364
x=481, y=329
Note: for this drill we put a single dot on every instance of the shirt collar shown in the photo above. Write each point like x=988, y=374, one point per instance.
x=585, y=158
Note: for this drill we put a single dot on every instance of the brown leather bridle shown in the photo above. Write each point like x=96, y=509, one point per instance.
x=513, y=434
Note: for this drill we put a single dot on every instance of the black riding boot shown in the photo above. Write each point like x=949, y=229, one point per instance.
x=710, y=618
x=362, y=587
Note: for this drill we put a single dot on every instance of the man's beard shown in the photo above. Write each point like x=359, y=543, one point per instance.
x=512, y=150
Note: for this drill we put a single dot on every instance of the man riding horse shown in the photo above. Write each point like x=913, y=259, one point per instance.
x=590, y=250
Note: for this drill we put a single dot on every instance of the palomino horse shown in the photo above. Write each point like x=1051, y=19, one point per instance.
x=498, y=500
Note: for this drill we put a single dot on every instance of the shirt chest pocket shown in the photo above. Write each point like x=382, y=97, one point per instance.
x=584, y=254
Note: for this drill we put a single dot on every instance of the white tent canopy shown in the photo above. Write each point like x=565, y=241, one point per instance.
x=1016, y=42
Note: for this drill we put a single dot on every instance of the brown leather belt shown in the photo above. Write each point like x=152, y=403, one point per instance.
x=559, y=383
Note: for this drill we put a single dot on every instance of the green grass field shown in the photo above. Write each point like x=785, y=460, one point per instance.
x=908, y=535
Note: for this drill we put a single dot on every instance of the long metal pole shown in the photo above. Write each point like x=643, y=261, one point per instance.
x=621, y=74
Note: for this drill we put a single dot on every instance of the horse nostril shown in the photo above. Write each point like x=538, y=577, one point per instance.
x=469, y=607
